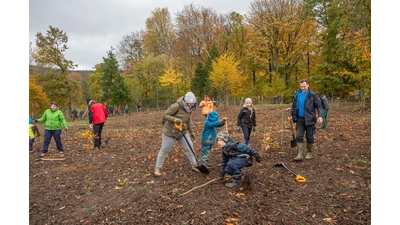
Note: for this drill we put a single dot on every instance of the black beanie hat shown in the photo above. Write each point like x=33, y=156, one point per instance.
x=88, y=100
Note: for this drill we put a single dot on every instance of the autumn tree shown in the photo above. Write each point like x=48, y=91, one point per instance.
x=38, y=100
x=346, y=47
x=198, y=28
x=50, y=54
x=130, y=50
x=51, y=48
x=173, y=81
x=226, y=76
x=148, y=72
x=283, y=33
x=95, y=90
x=159, y=35
x=76, y=93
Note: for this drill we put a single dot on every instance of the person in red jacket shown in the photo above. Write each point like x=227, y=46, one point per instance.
x=97, y=117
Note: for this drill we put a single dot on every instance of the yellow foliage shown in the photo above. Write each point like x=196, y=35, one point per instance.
x=88, y=135
x=38, y=100
x=226, y=75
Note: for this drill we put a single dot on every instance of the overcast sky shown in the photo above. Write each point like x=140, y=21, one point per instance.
x=93, y=26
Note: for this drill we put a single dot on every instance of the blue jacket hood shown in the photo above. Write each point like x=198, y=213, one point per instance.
x=213, y=116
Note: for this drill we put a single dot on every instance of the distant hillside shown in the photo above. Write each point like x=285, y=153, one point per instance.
x=41, y=70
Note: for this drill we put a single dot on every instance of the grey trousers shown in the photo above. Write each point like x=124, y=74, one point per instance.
x=166, y=146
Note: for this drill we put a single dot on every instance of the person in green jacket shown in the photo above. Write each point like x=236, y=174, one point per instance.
x=53, y=118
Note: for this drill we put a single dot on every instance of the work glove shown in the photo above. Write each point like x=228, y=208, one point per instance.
x=36, y=121
x=65, y=128
x=192, y=136
x=258, y=160
x=254, y=129
x=223, y=120
x=178, y=121
x=91, y=126
x=238, y=128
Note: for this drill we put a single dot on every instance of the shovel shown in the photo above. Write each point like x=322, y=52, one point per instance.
x=299, y=178
x=201, y=168
x=293, y=143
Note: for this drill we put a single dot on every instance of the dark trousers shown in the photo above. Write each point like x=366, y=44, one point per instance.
x=47, y=138
x=234, y=166
x=246, y=134
x=301, y=128
x=97, y=129
x=31, y=141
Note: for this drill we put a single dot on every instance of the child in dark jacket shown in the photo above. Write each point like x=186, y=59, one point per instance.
x=246, y=120
x=235, y=156
x=209, y=135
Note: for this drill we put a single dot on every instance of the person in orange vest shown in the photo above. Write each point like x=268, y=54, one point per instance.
x=207, y=105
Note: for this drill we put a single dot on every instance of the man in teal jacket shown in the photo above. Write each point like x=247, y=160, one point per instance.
x=53, y=118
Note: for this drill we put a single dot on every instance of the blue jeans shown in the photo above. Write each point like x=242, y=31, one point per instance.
x=205, y=152
x=31, y=141
x=47, y=138
x=234, y=166
x=246, y=134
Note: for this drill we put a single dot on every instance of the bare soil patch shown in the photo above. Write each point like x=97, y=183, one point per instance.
x=116, y=185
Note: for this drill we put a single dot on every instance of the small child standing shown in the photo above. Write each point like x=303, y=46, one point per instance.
x=209, y=135
x=31, y=135
x=235, y=156
x=246, y=120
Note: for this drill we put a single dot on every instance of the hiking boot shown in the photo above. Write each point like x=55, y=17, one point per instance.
x=195, y=169
x=96, y=148
x=43, y=154
x=233, y=184
x=157, y=172
x=61, y=152
x=30, y=151
x=236, y=179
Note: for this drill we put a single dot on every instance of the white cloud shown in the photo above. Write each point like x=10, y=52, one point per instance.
x=93, y=26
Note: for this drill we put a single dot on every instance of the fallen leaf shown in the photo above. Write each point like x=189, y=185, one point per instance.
x=61, y=208
x=204, y=212
x=179, y=206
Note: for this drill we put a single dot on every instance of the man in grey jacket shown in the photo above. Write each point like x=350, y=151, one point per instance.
x=325, y=109
x=303, y=113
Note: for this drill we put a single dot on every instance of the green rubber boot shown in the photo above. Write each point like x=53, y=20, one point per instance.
x=299, y=156
x=309, y=150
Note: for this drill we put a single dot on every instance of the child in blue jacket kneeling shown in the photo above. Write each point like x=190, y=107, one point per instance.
x=235, y=156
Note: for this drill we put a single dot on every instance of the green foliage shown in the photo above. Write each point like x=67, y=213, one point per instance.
x=200, y=81
x=112, y=83
x=58, y=88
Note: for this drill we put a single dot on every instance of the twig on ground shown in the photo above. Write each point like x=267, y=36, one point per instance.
x=199, y=186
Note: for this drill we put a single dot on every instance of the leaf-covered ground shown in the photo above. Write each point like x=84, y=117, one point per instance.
x=116, y=185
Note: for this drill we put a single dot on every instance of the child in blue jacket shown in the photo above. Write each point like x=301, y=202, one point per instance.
x=235, y=156
x=209, y=135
